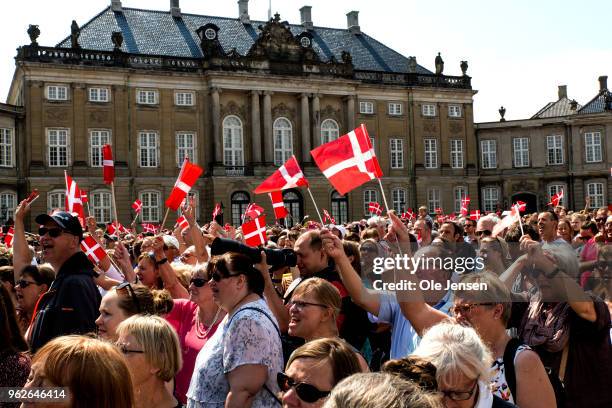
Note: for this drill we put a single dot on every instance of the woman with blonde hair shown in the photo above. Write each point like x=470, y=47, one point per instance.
x=93, y=371
x=152, y=350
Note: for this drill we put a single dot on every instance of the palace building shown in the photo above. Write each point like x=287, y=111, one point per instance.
x=237, y=97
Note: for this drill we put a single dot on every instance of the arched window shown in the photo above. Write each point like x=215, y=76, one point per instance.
x=329, y=131
x=294, y=203
x=283, y=141
x=8, y=202
x=339, y=207
x=150, y=206
x=101, y=206
x=56, y=199
x=240, y=201
x=232, y=142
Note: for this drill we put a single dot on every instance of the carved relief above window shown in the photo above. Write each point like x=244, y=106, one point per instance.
x=283, y=110
x=430, y=127
x=330, y=113
x=232, y=108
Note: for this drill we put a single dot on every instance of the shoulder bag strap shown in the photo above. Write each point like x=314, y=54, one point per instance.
x=510, y=371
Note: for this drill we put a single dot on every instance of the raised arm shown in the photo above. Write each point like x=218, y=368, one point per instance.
x=21, y=252
x=122, y=259
x=166, y=272
x=198, y=240
x=274, y=301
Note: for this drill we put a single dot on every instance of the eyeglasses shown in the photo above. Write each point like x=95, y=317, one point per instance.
x=485, y=232
x=198, y=282
x=467, y=308
x=130, y=289
x=301, y=305
x=53, y=232
x=306, y=392
x=600, y=220
x=217, y=277
x=123, y=348
x=22, y=283
x=459, y=395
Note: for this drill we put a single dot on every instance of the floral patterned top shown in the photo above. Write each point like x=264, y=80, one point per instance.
x=245, y=337
x=499, y=385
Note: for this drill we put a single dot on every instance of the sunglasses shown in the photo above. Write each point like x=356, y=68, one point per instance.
x=198, y=282
x=22, y=283
x=217, y=277
x=485, y=232
x=467, y=308
x=459, y=395
x=53, y=232
x=130, y=290
x=306, y=392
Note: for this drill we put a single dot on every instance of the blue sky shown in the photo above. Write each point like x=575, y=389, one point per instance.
x=518, y=51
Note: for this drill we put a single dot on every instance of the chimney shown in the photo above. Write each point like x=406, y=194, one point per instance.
x=352, y=22
x=243, y=11
x=306, y=17
x=562, y=91
x=603, y=83
x=175, y=10
x=116, y=6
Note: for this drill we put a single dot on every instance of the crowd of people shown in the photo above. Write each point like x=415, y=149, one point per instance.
x=353, y=315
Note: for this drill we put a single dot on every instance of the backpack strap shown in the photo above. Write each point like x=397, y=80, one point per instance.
x=510, y=371
x=563, y=365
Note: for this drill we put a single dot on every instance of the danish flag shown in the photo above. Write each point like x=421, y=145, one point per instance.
x=8, y=238
x=327, y=216
x=183, y=223
x=512, y=217
x=217, y=211
x=348, y=161
x=280, y=211
x=465, y=204
x=375, y=208
x=93, y=250
x=108, y=164
x=253, y=211
x=137, y=206
x=408, y=215
x=150, y=228
x=255, y=231
x=475, y=215
x=115, y=227
x=289, y=175
x=74, y=202
x=521, y=206
x=556, y=199
x=187, y=178
x=83, y=196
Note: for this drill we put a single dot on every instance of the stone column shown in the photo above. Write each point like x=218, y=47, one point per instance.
x=305, y=118
x=350, y=110
x=216, y=122
x=255, y=127
x=316, y=121
x=267, y=127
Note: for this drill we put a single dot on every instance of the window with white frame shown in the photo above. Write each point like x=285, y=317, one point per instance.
x=554, y=146
x=556, y=189
x=431, y=153
x=395, y=108
x=56, y=200
x=454, y=111
x=397, y=153
x=398, y=196
x=456, y=153
x=239, y=203
x=521, y=151
x=339, y=207
x=6, y=147
x=98, y=95
x=592, y=147
x=369, y=196
x=8, y=202
x=147, y=96
x=100, y=206
x=97, y=139
x=150, y=206
x=148, y=149
x=488, y=149
x=596, y=192
x=490, y=198
x=330, y=131
x=185, y=147
x=459, y=193
x=429, y=110
x=366, y=108
x=57, y=92
x=58, y=145
x=233, y=147
x=182, y=98
x=283, y=141
x=433, y=199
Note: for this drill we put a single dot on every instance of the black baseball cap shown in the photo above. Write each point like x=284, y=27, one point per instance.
x=64, y=220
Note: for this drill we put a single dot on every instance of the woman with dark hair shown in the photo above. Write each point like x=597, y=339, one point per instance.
x=14, y=363
x=33, y=282
x=238, y=365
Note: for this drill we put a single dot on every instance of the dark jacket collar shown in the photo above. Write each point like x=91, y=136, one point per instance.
x=77, y=264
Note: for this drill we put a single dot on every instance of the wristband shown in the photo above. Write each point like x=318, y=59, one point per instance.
x=277, y=281
x=161, y=261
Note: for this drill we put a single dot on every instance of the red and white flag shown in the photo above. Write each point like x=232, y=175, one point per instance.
x=280, y=211
x=187, y=178
x=8, y=238
x=115, y=227
x=183, y=223
x=408, y=215
x=253, y=211
x=74, y=202
x=137, y=206
x=255, y=231
x=328, y=217
x=150, y=228
x=83, y=196
x=465, y=205
x=522, y=206
x=348, y=161
x=93, y=250
x=556, y=199
x=108, y=164
x=217, y=211
x=475, y=215
x=375, y=208
x=512, y=217
x=289, y=175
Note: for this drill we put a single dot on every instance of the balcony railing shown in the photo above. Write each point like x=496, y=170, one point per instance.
x=238, y=171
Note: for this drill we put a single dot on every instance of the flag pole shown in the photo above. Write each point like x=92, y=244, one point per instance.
x=135, y=218
x=520, y=221
x=114, y=204
x=161, y=227
x=315, y=205
x=382, y=190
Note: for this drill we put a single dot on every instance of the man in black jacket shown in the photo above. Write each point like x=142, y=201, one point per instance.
x=71, y=304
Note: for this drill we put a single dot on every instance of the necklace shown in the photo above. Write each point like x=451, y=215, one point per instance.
x=202, y=333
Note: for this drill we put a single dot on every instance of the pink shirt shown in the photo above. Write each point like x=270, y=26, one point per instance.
x=183, y=318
